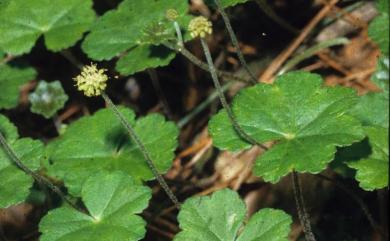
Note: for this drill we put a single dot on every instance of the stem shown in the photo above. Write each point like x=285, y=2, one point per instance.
x=143, y=149
x=192, y=58
x=233, y=37
x=11, y=153
x=302, y=213
x=222, y=98
x=180, y=42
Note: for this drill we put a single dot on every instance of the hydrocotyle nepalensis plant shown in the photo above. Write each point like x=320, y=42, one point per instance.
x=307, y=121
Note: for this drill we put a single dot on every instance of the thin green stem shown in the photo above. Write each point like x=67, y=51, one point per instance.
x=180, y=42
x=302, y=213
x=142, y=148
x=192, y=58
x=11, y=153
x=233, y=37
x=222, y=98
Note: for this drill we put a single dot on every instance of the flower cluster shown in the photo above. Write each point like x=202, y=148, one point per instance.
x=91, y=80
x=200, y=27
x=171, y=14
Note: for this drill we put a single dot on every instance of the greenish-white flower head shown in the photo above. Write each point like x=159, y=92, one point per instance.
x=171, y=14
x=91, y=80
x=200, y=27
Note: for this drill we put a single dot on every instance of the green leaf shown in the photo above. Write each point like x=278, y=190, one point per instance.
x=11, y=78
x=372, y=109
x=224, y=135
x=373, y=172
x=112, y=200
x=132, y=23
x=99, y=142
x=307, y=120
x=47, y=98
x=220, y=217
x=15, y=184
x=62, y=24
x=378, y=30
x=143, y=57
x=383, y=6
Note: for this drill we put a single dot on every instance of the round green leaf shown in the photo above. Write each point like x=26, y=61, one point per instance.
x=373, y=172
x=11, y=78
x=61, y=22
x=132, y=23
x=220, y=217
x=47, y=98
x=112, y=200
x=15, y=184
x=381, y=75
x=307, y=120
x=99, y=142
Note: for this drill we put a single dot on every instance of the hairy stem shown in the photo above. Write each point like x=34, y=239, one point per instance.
x=302, y=213
x=143, y=149
x=11, y=153
x=193, y=59
x=233, y=37
x=222, y=98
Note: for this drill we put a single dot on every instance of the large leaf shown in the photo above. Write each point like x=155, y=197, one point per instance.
x=132, y=23
x=11, y=78
x=112, y=200
x=220, y=217
x=15, y=184
x=307, y=120
x=62, y=22
x=373, y=172
x=99, y=142
x=378, y=31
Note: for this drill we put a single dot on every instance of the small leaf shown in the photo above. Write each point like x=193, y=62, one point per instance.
x=62, y=24
x=220, y=217
x=11, y=78
x=112, y=200
x=372, y=109
x=129, y=25
x=143, y=57
x=15, y=184
x=378, y=31
x=99, y=142
x=307, y=120
x=47, y=98
x=373, y=172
